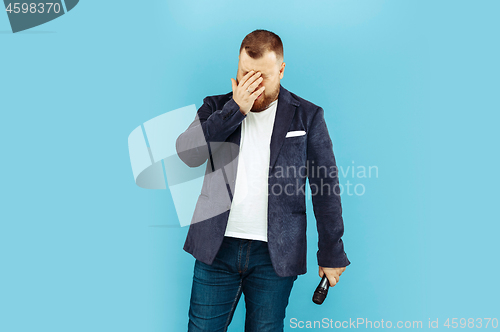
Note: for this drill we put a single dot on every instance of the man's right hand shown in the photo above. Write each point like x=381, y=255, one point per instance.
x=244, y=93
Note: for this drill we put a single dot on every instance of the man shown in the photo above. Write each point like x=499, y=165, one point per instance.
x=248, y=232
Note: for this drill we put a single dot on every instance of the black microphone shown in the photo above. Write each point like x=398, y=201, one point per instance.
x=321, y=291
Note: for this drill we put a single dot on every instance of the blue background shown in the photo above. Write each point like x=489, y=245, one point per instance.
x=408, y=86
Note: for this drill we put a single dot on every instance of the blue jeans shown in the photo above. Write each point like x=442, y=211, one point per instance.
x=240, y=266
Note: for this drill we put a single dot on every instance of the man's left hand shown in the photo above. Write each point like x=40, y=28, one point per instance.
x=332, y=273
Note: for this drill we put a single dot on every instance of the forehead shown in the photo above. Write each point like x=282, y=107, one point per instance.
x=265, y=64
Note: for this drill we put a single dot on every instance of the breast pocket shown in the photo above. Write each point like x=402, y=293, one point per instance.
x=294, y=150
x=296, y=139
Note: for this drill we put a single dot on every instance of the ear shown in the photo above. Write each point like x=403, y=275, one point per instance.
x=282, y=70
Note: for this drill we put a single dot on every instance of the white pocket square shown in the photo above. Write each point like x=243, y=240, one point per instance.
x=295, y=133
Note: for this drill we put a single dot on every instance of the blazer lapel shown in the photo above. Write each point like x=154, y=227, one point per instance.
x=284, y=115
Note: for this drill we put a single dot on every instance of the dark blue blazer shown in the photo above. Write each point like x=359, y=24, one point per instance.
x=215, y=136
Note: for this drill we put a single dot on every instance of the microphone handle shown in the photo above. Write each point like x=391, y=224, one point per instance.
x=324, y=283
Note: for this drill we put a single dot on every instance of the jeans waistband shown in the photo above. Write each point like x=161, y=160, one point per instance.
x=237, y=240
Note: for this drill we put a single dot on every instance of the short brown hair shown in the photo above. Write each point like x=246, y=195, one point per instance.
x=257, y=42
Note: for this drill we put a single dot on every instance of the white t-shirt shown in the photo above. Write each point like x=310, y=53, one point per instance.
x=248, y=214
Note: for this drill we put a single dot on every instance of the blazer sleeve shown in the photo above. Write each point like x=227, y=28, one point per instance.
x=325, y=194
x=209, y=126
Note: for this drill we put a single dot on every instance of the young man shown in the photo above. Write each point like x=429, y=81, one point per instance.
x=248, y=232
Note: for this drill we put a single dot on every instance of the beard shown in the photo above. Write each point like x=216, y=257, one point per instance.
x=265, y=100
